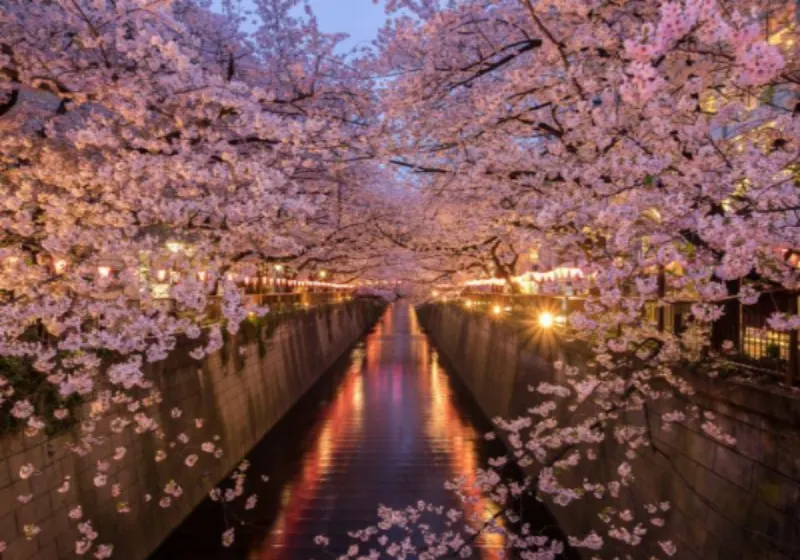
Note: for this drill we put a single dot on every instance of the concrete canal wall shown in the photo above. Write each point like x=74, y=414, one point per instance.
x=240, y=392
x=729, y=502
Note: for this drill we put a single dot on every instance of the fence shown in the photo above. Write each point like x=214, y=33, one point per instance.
x=525, y=304
x=760, y=348
x=279, y=303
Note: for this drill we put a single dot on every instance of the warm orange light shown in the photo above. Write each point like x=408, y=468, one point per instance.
x=546, y=320
x=161, y=275
x=174, y=246
x=497, y=310
x=104, y=271
x=59, y=265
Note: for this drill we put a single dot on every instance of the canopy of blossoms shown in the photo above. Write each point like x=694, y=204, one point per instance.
x=653, y=145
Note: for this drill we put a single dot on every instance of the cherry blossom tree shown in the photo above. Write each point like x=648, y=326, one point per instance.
x=152, y=143
x=652, y=144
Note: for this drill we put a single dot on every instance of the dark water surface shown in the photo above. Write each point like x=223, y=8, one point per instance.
x=387, y=425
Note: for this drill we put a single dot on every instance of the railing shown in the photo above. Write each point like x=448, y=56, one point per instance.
x=277, y=303
x=761, y=349
x=524, y=305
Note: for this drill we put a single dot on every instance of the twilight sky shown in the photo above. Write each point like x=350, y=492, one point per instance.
x=361, y=19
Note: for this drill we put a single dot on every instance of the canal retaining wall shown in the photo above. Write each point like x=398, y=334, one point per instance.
x=728, y=502
x=239, y=393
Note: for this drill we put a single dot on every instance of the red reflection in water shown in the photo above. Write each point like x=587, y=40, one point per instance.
x=343, y=417
x=392, y=434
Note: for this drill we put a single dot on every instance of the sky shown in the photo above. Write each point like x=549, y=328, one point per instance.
x=361, y=19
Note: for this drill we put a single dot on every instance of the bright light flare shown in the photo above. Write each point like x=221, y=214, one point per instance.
x=546, y=320
x=497, y=310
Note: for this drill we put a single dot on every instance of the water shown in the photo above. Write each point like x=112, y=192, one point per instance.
x=388, y=425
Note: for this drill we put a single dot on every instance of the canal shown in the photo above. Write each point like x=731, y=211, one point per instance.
x=387, y=425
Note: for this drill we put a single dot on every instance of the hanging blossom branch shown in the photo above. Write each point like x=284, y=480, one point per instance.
x=649, y=145
x=152, y=153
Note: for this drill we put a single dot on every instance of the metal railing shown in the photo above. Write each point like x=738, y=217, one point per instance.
x=524, y=305
x=277, y=303
x=760, y=348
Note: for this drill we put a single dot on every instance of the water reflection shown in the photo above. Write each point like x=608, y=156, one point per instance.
x=392, y=427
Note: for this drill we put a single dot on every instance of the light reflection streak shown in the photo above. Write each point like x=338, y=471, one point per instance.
x=383, y=370
x=445, y=424
x=342, y=420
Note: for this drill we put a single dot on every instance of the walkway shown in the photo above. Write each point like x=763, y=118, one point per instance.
x=388, y=426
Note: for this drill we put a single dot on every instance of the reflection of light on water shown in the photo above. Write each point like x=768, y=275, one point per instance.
x=286, y=495
x=436, y=386
x=446, y=425
x=373, y=372
x=343, y=419
x=324, y=449
x=358, y=395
